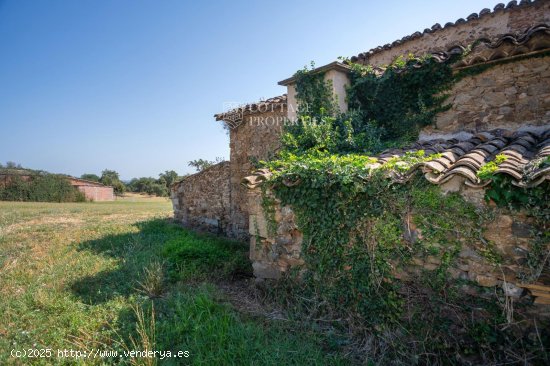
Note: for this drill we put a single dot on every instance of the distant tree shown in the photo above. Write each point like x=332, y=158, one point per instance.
x=92, y=177
x=148, y=185
x=12, y=165
x=159, y=190
x=201, y=164
x=168, y=178
x=141, y=185
x=112, y=178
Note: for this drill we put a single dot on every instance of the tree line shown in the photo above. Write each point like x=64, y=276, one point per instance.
x=46, y=186
x=153, y=186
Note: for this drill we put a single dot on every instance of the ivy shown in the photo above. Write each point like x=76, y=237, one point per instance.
x=405, y=98
x=268, y=207
x=314, y=93
x=361, y=228
x=351, y=214
x=386, y=110
x=534, y=203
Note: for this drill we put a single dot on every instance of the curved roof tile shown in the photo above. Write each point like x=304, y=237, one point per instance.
x=436, y=27
x=251, y=108
x=527, y=159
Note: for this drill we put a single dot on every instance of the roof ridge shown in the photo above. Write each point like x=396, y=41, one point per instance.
x=519, y=40
x=252, y=107
x=436, y=27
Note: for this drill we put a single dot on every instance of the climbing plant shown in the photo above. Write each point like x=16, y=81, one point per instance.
x=386, y=108
x=362, y=230
x=351, y=215
x=404, y=98
x=314, y=93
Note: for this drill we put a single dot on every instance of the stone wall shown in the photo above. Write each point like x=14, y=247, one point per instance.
x=507, y=96
x=275, y=252
x=201, y=201
x=487, y=25
x=256, y=138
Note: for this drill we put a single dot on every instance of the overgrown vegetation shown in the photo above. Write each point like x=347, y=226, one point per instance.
x=405, y=98
x=386, y=109
x=533, y=201
x=352, y=220
x=362, y=230
x=39, y=187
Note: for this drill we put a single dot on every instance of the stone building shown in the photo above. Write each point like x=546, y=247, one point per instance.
x=502, y=110
x=215, y=200
x=202, y=200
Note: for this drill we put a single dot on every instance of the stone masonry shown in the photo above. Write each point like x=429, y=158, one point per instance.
x=214, y=199
x=256, y=139
x=201, y=201
x=275, y=253
x=506, y=96
x=513, y=94
x=504, y=19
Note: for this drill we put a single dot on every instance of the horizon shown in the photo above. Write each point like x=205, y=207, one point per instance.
x=133, y=86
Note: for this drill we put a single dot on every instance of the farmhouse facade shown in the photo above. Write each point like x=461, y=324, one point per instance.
x=504, y=110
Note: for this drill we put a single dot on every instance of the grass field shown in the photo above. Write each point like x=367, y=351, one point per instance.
x=119, y=276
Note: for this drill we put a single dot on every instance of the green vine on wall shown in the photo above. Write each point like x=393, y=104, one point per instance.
x=268, y=207
x=314, y=93
x=405, y=98
x=360, y=227
x=534, y=203
x=352, y=219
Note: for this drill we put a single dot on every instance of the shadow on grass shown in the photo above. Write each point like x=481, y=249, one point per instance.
x=183, y=255
x=191, y=315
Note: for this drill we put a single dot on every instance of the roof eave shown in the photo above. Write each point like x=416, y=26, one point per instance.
x=335, y=65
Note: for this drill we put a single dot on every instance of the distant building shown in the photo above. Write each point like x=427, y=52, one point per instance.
x=94, y=191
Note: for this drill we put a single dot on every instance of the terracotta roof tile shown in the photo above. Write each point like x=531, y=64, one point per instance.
x=526, y=162
x=251, y=108
x=517, y=39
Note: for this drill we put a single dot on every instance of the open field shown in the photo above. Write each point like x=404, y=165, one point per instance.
x=90, y=276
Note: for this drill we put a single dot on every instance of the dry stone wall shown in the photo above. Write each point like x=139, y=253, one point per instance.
x=201, y=201
x=274, y=252
x=214, y=199
x=506, y=96
x=509, y=95
x=256, y=138
x=488, y=25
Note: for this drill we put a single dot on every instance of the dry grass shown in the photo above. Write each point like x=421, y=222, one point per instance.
x=41, y=258
x=84, y=276
x=152, y=283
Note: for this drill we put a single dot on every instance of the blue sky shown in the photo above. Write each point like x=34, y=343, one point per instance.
x=132, y=85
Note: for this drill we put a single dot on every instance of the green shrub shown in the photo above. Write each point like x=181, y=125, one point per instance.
x=43, y=187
